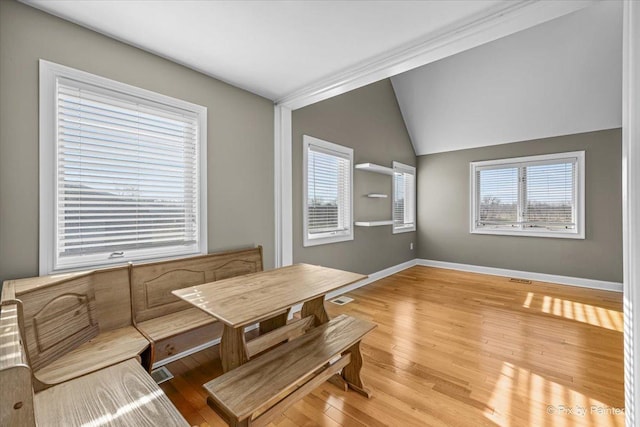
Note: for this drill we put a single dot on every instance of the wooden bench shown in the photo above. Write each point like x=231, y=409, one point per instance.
x=120, y=395
x=170, y=324
x=77, y=323
x=258, y=391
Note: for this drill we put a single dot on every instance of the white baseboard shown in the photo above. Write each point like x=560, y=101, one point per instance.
x=541, y=277
x=372, y=278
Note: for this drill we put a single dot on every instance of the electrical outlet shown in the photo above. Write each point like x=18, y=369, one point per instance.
x=411, y=246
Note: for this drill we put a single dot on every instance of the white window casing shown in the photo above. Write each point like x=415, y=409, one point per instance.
x=328, y=192
x=541, y=196
x=404, y=198
x=122, y=173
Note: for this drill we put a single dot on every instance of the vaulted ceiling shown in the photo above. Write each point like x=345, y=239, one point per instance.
x=278, y=49
x=558, y=78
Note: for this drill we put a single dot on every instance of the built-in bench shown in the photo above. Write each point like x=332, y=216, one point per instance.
x=119, y=395
x=258, y=391
x=170, y=324
x=77, y=323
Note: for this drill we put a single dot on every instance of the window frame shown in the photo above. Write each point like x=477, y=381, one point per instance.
x=332, y=236
x=49, y=74
x=579, y=204
x=404, y=169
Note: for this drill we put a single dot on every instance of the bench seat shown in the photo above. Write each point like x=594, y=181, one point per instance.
x=176, y=323
x=106, y=349
x=121, y=395
x=278, y=378
x=175, y=333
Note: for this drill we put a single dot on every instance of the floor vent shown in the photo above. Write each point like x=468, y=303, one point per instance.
x=161, y=375
x=342, y=300
x=523, y=281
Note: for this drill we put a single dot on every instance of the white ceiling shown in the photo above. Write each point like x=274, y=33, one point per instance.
x=271, y=48
x=558, y=78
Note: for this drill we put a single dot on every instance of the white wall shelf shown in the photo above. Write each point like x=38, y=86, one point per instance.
x=372, y=167
x=373, y=223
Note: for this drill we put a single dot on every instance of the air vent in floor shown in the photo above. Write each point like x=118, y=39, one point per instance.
x=161, y=375
x=342, y=300
x=523, y=281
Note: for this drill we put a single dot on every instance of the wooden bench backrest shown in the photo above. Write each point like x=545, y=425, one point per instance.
x=62, y=312
x=113, y=298
x=151, y=284
x=58, y=318
x=16, y=391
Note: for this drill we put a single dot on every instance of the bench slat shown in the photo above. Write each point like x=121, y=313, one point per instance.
x=246, y=389
x=121, y=395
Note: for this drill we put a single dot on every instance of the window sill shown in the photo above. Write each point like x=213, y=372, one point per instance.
x=397, y=230
x=100, y=263
x=547, y=234
x=326, y=240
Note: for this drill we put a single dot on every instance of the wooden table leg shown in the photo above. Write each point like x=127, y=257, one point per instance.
x=315, y=307
x=233, y=348
x=274, y=323
x=351, y=372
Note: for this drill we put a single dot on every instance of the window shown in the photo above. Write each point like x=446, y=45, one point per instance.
x=328, y=212
x=529, y=196
x=404, y=198
x=122, y=172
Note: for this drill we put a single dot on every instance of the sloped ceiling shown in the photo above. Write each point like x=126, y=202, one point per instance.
x=561, y=77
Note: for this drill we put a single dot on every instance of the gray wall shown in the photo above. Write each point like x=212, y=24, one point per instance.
x=240, y=132
x=443, y=211
x=369, y=121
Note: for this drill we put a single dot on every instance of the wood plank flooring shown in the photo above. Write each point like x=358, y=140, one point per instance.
x=460, y=349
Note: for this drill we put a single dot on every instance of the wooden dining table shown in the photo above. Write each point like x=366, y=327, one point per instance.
x=265, y=298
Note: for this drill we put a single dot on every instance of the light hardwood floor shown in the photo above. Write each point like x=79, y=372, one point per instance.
x=460, y=349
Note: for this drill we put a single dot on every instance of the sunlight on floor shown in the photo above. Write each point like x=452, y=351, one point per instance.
x=527, y=302
x=585, y=313
x=521, y=397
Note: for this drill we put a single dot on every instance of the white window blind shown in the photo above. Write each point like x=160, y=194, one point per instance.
x=404, y=198
x=127, y=180
x=328, y=205
x=535, y=195
x=498, y=197
x=550, y=195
